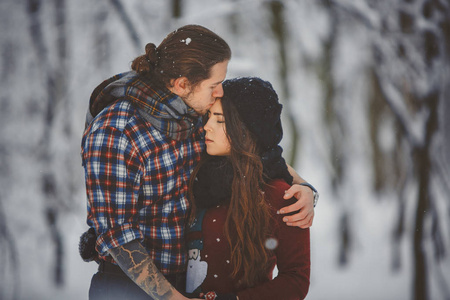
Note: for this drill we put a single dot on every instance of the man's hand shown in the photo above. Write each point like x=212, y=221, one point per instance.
x=305, y=203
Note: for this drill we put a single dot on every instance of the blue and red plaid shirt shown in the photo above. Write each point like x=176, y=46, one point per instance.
x=137, y=183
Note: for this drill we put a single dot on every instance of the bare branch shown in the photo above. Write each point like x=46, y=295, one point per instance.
x=128, y=23
x=410, y=126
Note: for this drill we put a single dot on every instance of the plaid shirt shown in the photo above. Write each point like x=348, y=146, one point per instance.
x=136, y=184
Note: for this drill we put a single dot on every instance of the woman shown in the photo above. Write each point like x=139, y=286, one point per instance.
x=235, y=236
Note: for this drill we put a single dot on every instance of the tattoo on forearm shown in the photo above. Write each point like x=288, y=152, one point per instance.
x=136, y=263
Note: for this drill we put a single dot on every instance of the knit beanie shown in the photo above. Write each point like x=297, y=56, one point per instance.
x=259, y=109
x=257, y=104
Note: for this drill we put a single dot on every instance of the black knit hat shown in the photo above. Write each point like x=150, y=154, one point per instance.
x=257, y=105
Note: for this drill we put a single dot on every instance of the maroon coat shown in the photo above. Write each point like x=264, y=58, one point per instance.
x=292, y=255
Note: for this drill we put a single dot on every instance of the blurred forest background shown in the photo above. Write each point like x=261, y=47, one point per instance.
x=366, y=92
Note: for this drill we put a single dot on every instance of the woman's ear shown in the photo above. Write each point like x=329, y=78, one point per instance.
x=180, y=86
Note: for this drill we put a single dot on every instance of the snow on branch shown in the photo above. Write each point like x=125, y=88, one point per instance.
x=360, y=10
x=412, y=127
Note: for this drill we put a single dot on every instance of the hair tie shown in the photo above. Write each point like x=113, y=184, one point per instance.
x=151, y=53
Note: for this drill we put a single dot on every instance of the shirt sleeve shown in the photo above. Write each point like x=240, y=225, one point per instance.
x=113, y=170
x=292, y=255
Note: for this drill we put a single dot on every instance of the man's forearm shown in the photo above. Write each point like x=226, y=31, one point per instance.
x=297, y=179
x=137, y=264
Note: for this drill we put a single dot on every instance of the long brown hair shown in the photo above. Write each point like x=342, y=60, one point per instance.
x=190, y=51
x=248, y=219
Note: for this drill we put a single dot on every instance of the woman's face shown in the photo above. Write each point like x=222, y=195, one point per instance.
x=216, y=138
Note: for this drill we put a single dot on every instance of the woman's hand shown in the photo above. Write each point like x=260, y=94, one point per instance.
x=305, y=205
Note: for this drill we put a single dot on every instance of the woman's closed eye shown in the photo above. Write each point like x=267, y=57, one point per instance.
x=219, y=118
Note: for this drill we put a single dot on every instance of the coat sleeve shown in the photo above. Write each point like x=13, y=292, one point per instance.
x=292, y=255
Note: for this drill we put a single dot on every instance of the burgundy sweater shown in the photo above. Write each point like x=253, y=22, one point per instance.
x=210, y=268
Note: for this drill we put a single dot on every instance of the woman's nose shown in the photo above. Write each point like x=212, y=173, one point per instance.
x=206, y=126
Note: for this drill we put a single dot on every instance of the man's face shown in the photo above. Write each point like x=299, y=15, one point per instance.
x=204, y=94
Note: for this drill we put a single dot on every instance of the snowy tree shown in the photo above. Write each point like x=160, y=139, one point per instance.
x=365, y=91
x=410, y=73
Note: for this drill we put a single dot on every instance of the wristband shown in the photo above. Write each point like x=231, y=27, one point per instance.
x=315, y=192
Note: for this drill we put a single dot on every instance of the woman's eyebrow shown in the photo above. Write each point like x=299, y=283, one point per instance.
x=217, y=114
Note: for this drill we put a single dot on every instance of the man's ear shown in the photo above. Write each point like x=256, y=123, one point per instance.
x=180, y=86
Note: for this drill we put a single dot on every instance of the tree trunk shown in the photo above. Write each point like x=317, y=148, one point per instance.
x=176, y=9
x=280, y=34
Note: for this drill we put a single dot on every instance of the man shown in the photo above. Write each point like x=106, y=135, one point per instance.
x=142, y=140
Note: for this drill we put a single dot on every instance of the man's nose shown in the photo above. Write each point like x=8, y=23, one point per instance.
x=218, y=91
